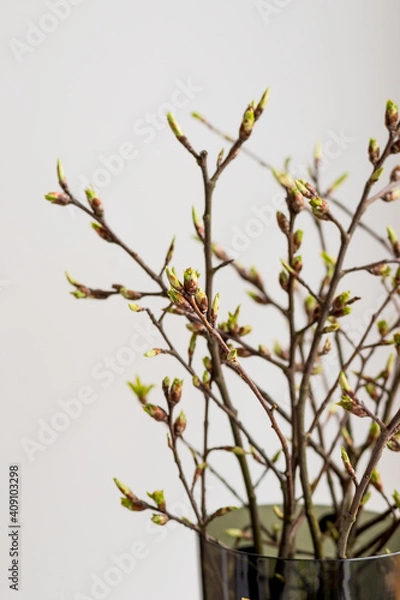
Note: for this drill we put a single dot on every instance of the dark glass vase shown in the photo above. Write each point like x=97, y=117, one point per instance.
x=239, y=574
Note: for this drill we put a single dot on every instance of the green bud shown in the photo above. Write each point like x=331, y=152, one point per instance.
x=297, y=239
x=396, y=498
x=159, y=519
x=337, y=183
x=376, y=480
x=264, y=351
x=383, y=327
x=196, y=381
x=331, y=328
x=215, y=309
x=176, y=130
x=391, y=115
x=235, y=533
x=283, y=222
x=159, y=499
x=176, y=391
x=62, y=180
x=278, y=512
x=135, y=307
x=156, y=412
x=124, y=489
x=180, y=424
x=373, y=151
x=297, y=264
x=372, y=391
x=177, y=298
x=247, y=124
x=153, y=352
x=173, y=279
x=318, y=152
x=58, y=198
x=262, y=104
x=376, y=175
x=197, y=222
x=374, y=433
x=201, y=300
x=232, y=356
x=190, y=279
x=102, y=232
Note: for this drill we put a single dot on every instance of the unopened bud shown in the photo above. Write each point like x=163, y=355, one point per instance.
x=159, y=519
x=220, y=157
x=264, y=351
x=283, y=178
x=391, y=196
x=373, y=151
x=180, y=424
x=393, y=241
x=331, y=328
x=153, y=352
x=318, y=151
x=135, y=307
x=373, y=434
x=320, y=208
x=376, y=175
x=338, y=182
x=173, y=279
x=376, y=480
x=395, y=174
x=201, y=300
x=297, y=263
x=347, y=464
x=165, y=386
x=262, y=104
x=215, y=309
x=395, y=149
x=177, y=298
x=94, y=202
x=176, y=391
x=156, y=412
x=296, y=200
x=197, y=222
x=372, y=391
x=232, y=356
x=383, y=327
x=391, y=115
x=190, y=281
x=58, y=198
x=62, y=180
x=102, y=232
x=297, y=239
x=176, y=130
x=284, y=280
x=247, y=124
x=283, y=222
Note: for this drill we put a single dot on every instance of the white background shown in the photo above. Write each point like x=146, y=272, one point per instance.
x=81, y=92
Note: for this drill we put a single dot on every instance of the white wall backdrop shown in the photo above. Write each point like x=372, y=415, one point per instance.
x=88, y=82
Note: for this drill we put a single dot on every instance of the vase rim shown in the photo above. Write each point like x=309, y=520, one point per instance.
x=238, y=552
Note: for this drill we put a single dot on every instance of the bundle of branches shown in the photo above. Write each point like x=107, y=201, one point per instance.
x=315, y=315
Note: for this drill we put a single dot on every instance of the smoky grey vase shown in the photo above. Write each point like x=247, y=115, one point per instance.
x=237, y=573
